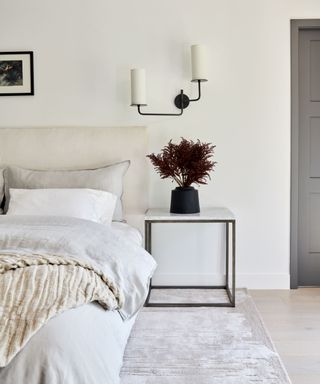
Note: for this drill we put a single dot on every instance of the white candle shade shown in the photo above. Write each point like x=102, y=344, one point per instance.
x=138, y=87
x=199, y=63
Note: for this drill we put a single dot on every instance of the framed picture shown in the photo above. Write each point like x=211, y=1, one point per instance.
x=16, y=73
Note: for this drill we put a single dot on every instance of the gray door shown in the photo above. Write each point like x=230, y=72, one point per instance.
x=309, y=159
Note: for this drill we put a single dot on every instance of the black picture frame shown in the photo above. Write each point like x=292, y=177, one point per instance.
x=16, y=79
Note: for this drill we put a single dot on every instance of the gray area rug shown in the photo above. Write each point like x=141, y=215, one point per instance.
x=201, y=345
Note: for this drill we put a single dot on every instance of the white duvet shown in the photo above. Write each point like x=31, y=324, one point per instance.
x=85, y=344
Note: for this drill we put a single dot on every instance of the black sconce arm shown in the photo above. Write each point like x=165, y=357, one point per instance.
x=165, y=114
x=199, y=92
x=181, y=101
x=184, y=101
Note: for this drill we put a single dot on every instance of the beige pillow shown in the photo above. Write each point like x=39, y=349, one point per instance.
x=1, y=189
x=108, y=178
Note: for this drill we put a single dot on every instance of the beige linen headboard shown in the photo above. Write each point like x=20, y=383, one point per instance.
x=80, y=148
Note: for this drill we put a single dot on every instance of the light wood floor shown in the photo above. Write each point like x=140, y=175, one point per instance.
x=293, y=321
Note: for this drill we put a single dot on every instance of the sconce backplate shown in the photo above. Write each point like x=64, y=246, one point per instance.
x=185, y=101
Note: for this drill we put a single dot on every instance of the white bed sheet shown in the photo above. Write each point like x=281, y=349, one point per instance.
x=131, y=233
x=84, y=345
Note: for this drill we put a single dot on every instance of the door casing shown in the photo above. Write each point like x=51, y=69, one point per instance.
x=296, y=26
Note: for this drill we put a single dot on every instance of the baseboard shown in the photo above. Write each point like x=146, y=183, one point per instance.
x=250, y=281
x=264, y=281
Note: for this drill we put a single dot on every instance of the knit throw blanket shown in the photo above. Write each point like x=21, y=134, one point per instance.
x=34, y=288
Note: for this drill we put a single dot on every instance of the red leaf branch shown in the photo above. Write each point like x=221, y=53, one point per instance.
x=185, y=163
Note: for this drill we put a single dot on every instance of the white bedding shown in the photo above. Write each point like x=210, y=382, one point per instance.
x=83, y=345
x=127, y=231
x=124, y=262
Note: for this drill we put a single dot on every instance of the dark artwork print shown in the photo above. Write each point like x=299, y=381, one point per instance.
x=11, y=72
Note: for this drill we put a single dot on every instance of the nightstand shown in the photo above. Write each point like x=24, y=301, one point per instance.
x=207, y=215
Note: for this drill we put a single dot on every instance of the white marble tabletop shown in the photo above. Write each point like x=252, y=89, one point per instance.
x=209, y=213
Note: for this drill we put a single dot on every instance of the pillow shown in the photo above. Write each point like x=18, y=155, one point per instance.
x=109, y=178
x=88, y=204
x=1, y=189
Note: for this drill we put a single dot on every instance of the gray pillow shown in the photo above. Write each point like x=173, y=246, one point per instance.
x=108, y=178
x=1, y=189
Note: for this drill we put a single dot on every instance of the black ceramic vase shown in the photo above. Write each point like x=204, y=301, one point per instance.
x=184, y=200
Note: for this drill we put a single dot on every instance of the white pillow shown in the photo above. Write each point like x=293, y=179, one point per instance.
x=89, y=204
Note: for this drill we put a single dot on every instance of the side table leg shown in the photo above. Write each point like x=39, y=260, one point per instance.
x=147, y=239
x=147, y=236
x=234, y=263
x=227, y=255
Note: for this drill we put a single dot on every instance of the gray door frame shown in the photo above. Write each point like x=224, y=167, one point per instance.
x=296, y=26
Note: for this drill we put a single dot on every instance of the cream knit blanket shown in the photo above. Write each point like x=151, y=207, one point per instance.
x=34, y=288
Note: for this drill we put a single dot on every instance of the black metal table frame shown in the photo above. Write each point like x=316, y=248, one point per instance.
x=230, y=291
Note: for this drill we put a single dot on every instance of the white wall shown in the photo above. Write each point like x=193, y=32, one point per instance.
x=83, y=53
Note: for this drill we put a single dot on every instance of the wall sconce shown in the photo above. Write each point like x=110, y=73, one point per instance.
x=181, y=101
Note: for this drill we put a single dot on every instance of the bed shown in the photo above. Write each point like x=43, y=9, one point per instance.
x=83, y=340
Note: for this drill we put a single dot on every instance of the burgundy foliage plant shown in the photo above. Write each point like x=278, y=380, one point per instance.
x=186, y=163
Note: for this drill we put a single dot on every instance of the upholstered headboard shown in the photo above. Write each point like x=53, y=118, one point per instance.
x=80, y=148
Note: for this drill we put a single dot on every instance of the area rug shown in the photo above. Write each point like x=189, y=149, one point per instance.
x=201, y=346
